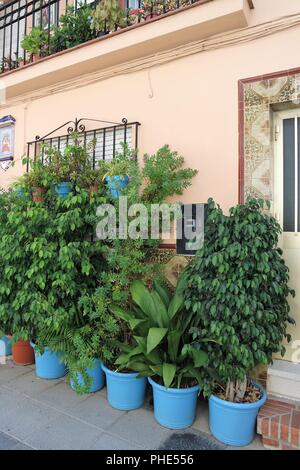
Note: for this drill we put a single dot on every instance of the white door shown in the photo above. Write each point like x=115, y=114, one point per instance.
x=287, y=204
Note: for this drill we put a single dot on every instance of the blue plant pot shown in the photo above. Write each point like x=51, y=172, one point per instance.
x=63, y=189
x=97, y=375
x=20, y=193
x=48, y=365
x=5, y=346
x=234, y=423
x=174, y=408
x=116, y=184
x=125, y=391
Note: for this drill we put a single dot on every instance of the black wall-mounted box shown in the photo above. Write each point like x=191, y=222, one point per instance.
x=190, y=224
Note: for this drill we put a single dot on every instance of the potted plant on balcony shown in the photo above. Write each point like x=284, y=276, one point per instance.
x=164, y=352
x=238, y=287
x=36, y=43
x=74, y=28
x=108, y=16
x=152, y=9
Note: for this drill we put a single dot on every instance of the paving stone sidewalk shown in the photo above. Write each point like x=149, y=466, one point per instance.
x=42, y=414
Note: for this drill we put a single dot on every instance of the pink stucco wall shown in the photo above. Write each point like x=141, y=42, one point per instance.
x=194, y=106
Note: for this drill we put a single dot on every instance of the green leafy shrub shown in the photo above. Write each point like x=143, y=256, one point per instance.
x=74, y=28
x=57, y=280
x=163, y=348
x=38, y=176
x=238, y=289
x=165, y=175
x=51, y=264
x=36, y=42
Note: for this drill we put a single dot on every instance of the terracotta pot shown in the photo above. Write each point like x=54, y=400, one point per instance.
x=22, y=352
x=38, y=194
x=150, y=16
x=35, y=57
x=94, y=188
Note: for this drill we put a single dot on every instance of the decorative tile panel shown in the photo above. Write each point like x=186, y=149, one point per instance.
x=258, y=97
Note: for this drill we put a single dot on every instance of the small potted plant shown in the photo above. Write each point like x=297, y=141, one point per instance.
x=119, y=169
x=108, y=16
x=126, y=390
x=93, y=178
x=152, y=9
x=35, y=43
x=37, y=179
x=48, y=363
x=60, y=170
x=164, y=352
x=238, y=287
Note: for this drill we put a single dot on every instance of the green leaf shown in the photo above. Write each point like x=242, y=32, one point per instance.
x=200, y=358
x=169, y=371
x=162, y=292
x=161, y=314
x=176, y=305
x=138, y=366
x=173, y=344
x=134, y=322
x=155, y=336
x=121, y=313
x=143, y=298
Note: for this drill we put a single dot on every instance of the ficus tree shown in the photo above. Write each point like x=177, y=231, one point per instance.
x=238, y=288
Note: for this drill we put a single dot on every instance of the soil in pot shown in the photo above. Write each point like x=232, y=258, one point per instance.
x=252, y=394
x=22, y=352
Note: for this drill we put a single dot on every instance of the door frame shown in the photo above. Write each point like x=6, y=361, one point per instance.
x=288, y=240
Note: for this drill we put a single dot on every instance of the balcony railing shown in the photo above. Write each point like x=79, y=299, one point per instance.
x=17, y=18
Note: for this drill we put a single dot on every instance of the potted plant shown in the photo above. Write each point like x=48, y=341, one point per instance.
x=36, y=43
x=108, y=16
x=152, y=9
x=37, y=179
x=67, y=168
x=238, y=287
x=92, y=178
x=119, y=170
x=83, y=344
x=60, y=170
x=74, y=28
x=164, y=352
x=5, y=344
x=22, y=352
x=48, y=363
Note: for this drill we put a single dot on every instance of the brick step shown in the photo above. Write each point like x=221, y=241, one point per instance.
x=279, y=424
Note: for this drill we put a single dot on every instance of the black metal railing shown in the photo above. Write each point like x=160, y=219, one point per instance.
x=18, y=17
x=103, y=142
